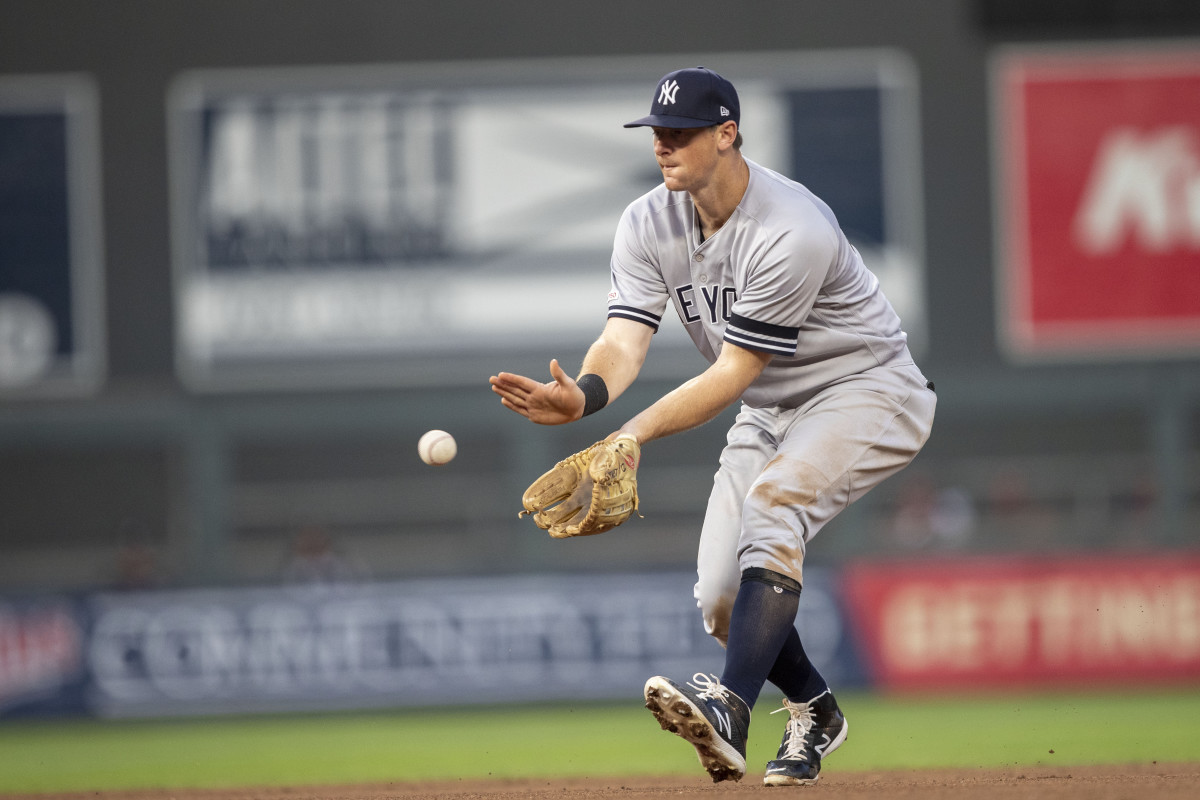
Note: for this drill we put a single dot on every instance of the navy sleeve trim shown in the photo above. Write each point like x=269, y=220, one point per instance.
x=763, y=336
x=635, y=314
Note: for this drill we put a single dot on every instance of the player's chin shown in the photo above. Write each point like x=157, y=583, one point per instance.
x=674, y=183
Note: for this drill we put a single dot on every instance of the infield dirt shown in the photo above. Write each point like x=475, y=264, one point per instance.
x=1132, y=782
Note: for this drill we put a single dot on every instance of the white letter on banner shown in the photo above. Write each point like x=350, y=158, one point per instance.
x=1147, y=186
x=116, y=654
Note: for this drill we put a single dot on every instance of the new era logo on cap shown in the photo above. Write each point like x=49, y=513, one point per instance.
x=691, y=98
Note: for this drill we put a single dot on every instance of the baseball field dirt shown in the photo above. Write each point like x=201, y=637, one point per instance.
x=1133, y=782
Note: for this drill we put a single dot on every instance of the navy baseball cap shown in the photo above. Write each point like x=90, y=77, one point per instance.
x=695, y=97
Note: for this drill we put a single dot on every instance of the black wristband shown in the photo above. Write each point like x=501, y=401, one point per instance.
x=595, y=392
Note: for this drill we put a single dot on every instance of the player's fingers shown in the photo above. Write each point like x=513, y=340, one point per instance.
x=520, y=409
x=515, y=383
x=503, y=379
x=513, y=399
x=509, y=392
x=559, y=374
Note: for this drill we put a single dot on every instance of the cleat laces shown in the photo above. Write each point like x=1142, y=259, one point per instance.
x=710, y=688
x=800, y=722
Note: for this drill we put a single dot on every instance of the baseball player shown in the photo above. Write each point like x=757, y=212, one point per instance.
x=795, y=328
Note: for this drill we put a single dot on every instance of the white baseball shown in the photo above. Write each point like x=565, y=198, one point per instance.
x=437, y=447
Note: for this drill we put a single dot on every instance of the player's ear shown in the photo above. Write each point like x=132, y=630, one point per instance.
x=727, y=133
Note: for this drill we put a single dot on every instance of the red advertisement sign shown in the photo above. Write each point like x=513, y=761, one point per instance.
x=41, y=649
x=1098, y=240
x=974, y=624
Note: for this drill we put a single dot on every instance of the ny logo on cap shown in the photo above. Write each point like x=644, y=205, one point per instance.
x=667, y=94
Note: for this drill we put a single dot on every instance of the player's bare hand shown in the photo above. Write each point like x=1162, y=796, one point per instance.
x=552, y=403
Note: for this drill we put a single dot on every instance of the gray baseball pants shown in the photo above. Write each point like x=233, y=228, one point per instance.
x=786, y=472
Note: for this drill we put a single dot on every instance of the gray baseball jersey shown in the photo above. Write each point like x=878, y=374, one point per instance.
x=779, y=277
x=841, y=405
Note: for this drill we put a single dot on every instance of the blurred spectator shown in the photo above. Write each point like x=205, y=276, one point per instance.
x=137, y=560
x=1134, y=513
x=927, y=516
x=1008, y=494
x=1022, y=519
x=953, y=517
x=910, y=527
x=314, y=560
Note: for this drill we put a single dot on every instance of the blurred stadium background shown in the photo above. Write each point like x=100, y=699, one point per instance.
x=250, y=251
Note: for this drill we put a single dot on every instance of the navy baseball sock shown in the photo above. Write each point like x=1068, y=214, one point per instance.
x=764, y=613
x=794, y=674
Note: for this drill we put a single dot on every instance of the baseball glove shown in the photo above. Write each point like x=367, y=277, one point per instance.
x=590, y=492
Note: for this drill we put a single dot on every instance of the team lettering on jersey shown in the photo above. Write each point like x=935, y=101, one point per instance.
x=715, y=303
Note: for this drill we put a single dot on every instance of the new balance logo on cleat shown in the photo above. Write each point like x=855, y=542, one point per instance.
x=813, y=731
x=722, y=720
x=707, y=716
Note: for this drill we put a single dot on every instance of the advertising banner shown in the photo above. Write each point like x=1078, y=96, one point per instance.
x=51, y=287
x=335, y=226
x=386, y=645
x=986, y=623
x=42, y=656
x=1097, y=156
